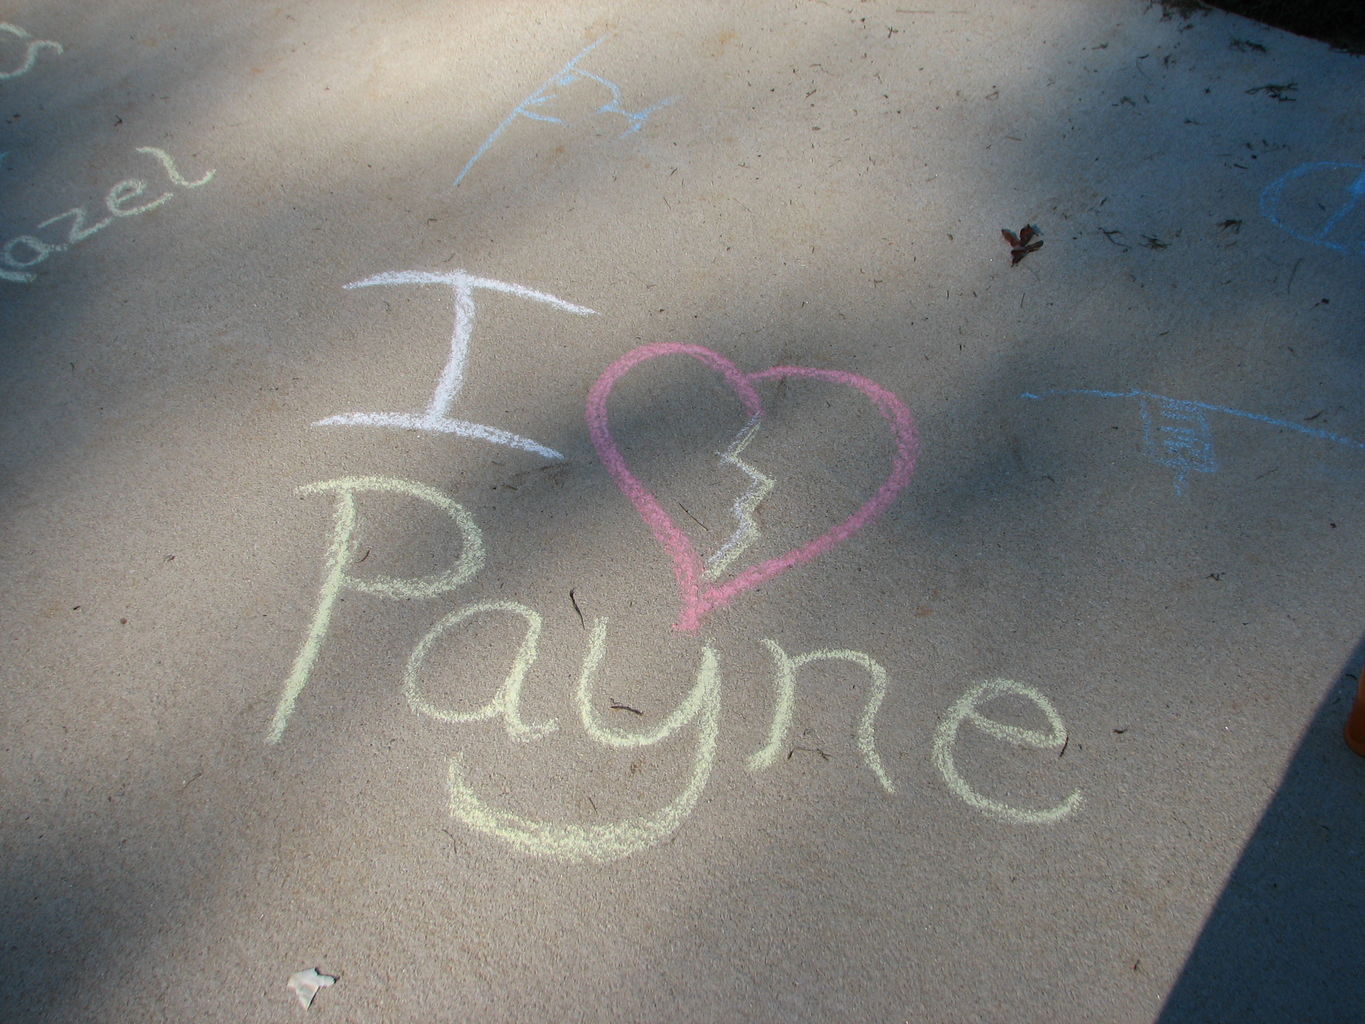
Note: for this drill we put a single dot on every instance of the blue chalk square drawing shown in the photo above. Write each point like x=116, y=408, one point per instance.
x=1177, y=435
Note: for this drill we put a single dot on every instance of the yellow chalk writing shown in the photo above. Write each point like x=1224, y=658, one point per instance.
x=603, y=843
x=785, y=700
x=335, y=579
x=507, y=701
x=966, y=710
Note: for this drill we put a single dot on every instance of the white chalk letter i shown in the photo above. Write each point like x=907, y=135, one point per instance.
x=437, y=416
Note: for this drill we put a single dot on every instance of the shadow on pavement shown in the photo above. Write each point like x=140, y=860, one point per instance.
x=1284, y=942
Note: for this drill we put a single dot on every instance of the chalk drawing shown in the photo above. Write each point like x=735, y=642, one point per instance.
x=700, y=708
x=784, y=704
x=573, y=843
x=604, y=734
x=700, y=588
x=32, y=47
x=967, y=710
x=698, y=597
x=745, y=507
x=24, y=251
x=1340, y=189
x=437, y=416
x=564, y=77
x=1176, y=433
x=1178, y=437
x=506, y=703
x=335, y=578
x=172, y=171
x=117, y=197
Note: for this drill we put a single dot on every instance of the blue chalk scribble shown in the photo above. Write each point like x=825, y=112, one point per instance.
x=564, y=77
x=1176, y=433
x=1345, y=188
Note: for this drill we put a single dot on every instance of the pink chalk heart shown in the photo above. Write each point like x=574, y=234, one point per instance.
x=698, y=597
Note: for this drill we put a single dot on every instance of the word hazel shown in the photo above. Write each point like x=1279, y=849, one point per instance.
x=701, y=708
x=32, y=47
x=121, y=201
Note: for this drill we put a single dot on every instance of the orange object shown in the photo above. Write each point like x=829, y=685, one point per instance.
x=1355, y=725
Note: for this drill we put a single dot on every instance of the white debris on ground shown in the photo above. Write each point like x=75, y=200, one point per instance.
x=305, y=984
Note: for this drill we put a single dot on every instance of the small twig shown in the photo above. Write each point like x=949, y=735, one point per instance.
x=807, y=750
x=694, y=518
x=1279, y=93
x=1109, y=237
x=574, y=601
x=1064, y=745
x=625, y=707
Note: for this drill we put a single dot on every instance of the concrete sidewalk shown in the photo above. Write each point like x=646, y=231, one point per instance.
x=578, y=512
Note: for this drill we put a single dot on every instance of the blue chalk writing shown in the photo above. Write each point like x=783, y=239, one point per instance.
x=564, y=77
x=1176, y=433
x=1177, y=436
x=1297, y=216
x=636, y=118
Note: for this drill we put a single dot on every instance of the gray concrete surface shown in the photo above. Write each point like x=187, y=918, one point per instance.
x=278, y=693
